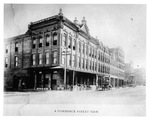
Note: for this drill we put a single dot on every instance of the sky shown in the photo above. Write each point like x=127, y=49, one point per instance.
x=115, y=25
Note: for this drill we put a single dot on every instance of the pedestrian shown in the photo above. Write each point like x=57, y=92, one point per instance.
x=23, y=85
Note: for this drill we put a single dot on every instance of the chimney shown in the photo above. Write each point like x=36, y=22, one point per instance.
x=75, y=21
x=60, y=12
x=83, y=21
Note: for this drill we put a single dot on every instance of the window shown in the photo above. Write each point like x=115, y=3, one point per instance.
x=40, y=58
x=74, y=44
x=6, y=62
x=82, y=62
x=55, y=39
x=40, y=42
x=103, y=58
x=90, y=65
x=34, y=43
x=69, y=60
x=16, y=47
x=33, y=59
x=73, y=60
x=99, y=56
x=79, y=46
x=64, y=39
x=86, y=49
x=63, y=59
x=47, y=40
x=95, y=54
x=16, y=61
x=83, y=48
x=47, y=57
x=86, y=64
x=6, y=49
x=69, y=42
x=99, y=68
x=54, y=57
x=104, y=69
x=95, y=66
x=90, y=48
x=79, y=62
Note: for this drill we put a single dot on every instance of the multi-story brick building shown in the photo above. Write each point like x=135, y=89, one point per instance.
x=117, y=72
x=129, y=73
x=38, y=57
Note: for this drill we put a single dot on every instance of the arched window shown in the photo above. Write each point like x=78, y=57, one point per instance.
x=55, y=39
x=34, y=43
x=16, y=61
x=40, y=41
x=40, y=58
x=69, y=42
x=47, y=40
x=6, y=62
x=47, y=58
x=64, y=40
x=16, y=47
x=79, y=46
x=74, y=44
x=33, y=59
x=55, y=57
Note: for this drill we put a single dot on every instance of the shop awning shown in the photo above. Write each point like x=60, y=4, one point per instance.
x=56, y=67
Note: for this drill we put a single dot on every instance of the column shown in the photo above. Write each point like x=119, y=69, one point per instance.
x=118, y=83
x=96, y=82
x=49, y=82
x=73, y=78
x=35, y=80
x=42, y=79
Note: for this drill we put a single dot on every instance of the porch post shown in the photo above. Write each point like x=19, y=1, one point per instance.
x=49, y=82
x=73, y=78
x=96, y=82
x=35, y=80
x=42, y=77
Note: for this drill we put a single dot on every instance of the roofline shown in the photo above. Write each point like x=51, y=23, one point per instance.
x=92, y=39
x=16, y=37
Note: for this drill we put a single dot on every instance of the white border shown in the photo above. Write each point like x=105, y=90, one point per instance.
x=76, y=2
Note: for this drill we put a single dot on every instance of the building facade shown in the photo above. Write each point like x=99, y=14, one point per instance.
x=117, y=67
x=129, y=74
x=56, y=53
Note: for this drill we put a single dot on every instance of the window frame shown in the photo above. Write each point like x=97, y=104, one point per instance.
x=47, y=40
x=16, y=46
x=6, y=62
x=64, y=40
x=16, y=61
x=55, y=39
x=55, y=56
x=47, y=58
x=33, y=59
x=40, y=41
x=40, y=58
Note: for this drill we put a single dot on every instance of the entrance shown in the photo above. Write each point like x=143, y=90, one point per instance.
x=55, y=77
